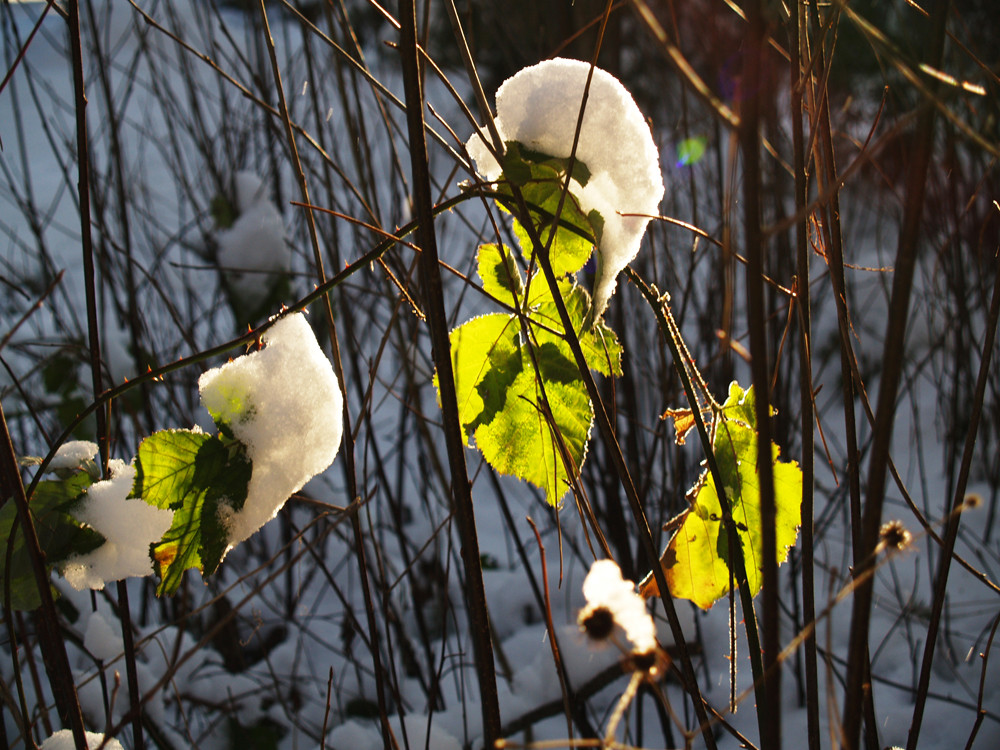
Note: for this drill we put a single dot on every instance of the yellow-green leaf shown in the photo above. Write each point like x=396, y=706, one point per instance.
x=696, y=562
x=542, y=179
x=521, y=395
x=499, y=272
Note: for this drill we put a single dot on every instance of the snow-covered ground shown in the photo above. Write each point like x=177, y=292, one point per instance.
x=277, y=644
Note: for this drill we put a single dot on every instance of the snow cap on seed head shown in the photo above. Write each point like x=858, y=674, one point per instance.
x=608, y=594
x=539, y=107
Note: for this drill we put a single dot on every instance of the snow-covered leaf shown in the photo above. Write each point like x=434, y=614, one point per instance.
x=60, y=535
x=283, y=403
x=202, y=479
x=539, y=109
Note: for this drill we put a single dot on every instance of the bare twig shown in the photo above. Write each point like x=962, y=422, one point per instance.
x=441, y=350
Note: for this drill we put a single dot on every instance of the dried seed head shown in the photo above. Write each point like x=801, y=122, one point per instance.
x=653, y=663
x=894, y=536
x=597, y=622
x=972, y=501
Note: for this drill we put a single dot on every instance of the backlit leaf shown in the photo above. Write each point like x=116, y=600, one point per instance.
x=499, y=272
x=542, y=180
x=200, y=477
x=539, y=417
x=479, y=349
x=520, y=394
x=683, y=423
x=696, y=562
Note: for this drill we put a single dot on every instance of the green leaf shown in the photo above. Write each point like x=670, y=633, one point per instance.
x=569, y=251
x=597, y=222
x=264, y=734
x=696, y=562
x=520, y=163
x=201, y=478
x=523, y=438
x=60, y=535
x=600, y=344
x=741, y=406
x=499, y=272
x=479, y=350
x=516, y=168
x=222, y=211
x=541, y=179
x=522, y=417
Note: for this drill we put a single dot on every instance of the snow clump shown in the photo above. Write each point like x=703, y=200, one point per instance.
x=101, y=640
x=129, y=526
x=611, y=600
x=255, y=243
x=417, y=730
x=539, y=107
x=63, y=740
x=284, y=404
x=73, y=455
x=353, y=735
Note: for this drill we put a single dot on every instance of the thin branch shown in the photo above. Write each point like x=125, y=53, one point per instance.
x=441, y=349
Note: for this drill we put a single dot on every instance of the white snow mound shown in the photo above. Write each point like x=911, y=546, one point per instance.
x=254, y=247
x=72, y=455
x=352, y=735
x=101, y=640
x=63, y=740
x=539, y=107
x=250, y=190
x=129, y=526
x=283, y=402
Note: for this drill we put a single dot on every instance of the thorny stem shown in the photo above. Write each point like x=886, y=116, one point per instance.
x=363, y=262
x=685, y=360
x=249, y=337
